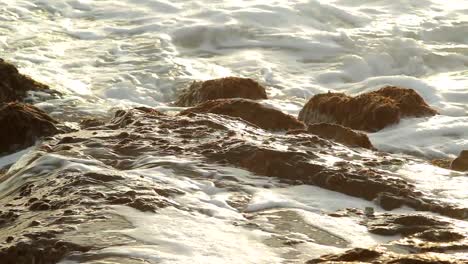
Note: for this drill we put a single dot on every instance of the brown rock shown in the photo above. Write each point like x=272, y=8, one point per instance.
x=338, y=133
x=22, y=125
x=369, y=111
x=460, y=163
x=405, y=225
x=442, y=163
x=230, y=87
x=362, y=255
x=250, y=111
x=91, y=122
x=13, y=85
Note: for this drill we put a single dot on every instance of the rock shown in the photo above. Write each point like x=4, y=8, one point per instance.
x=440, y=236
x=22, y=125
x=90, y=123
x=13, y=85
x=339, y=134
x=229, y=87
x=378, y=255
x=250, y=111
x=460, y=163
x=71, y=193
x=405, y=225
x=296, y=159
x=357, y=254
x=442, y=163
x=369, y=111
x=388, y=201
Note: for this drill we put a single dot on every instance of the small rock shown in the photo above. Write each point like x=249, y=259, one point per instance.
x=230, y=87
x=460, y=163
x=250, y=111
x=22, y=125
x=338, y=133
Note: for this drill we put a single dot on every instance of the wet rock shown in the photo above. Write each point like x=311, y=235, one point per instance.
x=91, y=122
x=442, y=163
x=107, y=162
x=369, y=111
x=40, y=250
x=440, y=236
x=103, y=177
x=13, y=85
x=362, y=255
x=250, y=111
x=338, y=133
x=230, y=87
x=389, y=225
x=461, y=162
x=388, y=201
x=358, y=254
x=123, y=118
x=22, y=125
x=295, y=159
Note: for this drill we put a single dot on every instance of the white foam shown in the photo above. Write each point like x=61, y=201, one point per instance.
x=174, y=236
x=438, y=136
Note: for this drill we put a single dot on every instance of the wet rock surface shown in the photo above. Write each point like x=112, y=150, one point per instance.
x=338, y=133
x=250, y=111
x=461, y=162
x=295, y=158
x=66, y=189
x=229, y=87
x=22, y=125
x=423, y=239
x=369, y=111
x=362, y=255
x=40, y=213
x=14, y=85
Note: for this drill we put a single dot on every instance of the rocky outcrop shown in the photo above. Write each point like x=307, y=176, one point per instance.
x=293, y=158
x=22, y=125
x=250, y=111
x=68, y=190
x=14, y=85
x=229, y=87
x=369, y=111
x=338, y=133
x=461, y=162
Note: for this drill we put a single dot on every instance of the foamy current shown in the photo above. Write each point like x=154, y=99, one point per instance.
x=121, y=53
x=106, y=54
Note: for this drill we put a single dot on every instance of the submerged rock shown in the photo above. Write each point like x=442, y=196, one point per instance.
x=229, y=87
x=338, y=133
x=14, y=85
x=369, y=111
x=250, y=111
x=461, y=162
x=22, y=125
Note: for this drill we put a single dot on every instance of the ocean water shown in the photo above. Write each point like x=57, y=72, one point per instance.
x=122, y=53
x=108, y=54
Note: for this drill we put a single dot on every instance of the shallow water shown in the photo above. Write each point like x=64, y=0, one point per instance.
x=117, y=54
